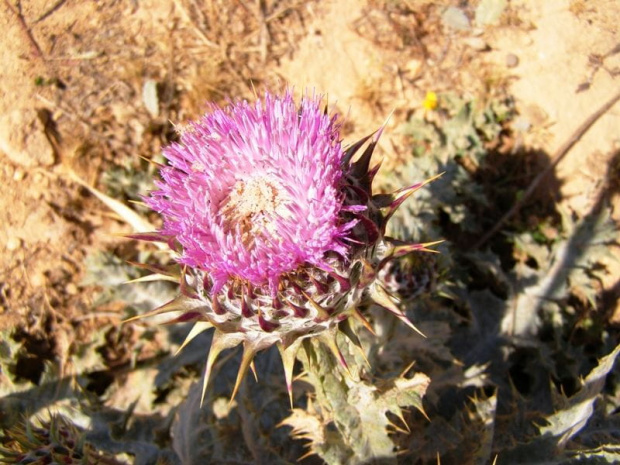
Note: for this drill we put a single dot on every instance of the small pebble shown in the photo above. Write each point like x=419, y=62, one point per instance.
x=19, y=174
x=413, y=67
x=23, y=139
x=13, y=244
x=512, y=60
x=38, y=280
x=41, y=180
x=71, y=289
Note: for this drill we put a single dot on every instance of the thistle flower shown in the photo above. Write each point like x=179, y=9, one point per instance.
x=276, y=228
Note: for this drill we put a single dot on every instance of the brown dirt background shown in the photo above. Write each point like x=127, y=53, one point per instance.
x=71, y=102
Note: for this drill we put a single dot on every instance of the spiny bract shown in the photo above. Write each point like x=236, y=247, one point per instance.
x=275, y=226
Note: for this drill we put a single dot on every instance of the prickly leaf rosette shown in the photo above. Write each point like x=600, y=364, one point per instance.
x=276, y=228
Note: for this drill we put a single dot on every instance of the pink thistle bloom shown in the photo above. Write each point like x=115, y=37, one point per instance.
x=255, y=191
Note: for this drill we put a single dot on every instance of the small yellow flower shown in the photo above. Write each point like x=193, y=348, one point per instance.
x=430, y=101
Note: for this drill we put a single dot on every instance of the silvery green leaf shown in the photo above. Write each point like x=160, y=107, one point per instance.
x=356, y=408
x=575, y=412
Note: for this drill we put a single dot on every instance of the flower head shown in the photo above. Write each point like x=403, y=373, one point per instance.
x=276, y=228
x=253, y=192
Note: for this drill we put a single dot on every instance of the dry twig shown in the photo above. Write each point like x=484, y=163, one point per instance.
x=17, y=11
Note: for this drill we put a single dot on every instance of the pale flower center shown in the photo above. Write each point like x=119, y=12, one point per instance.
x=253, y=205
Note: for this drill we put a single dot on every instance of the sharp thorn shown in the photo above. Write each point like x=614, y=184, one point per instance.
x=219, y=343
x=382, y=298
x=321, y=312
x=352, y=149
x=401, y=195
x=198, y=328
x=365, y=323
x=152, y=162
x=398, y=428
x=253, y=368
x=151, y=278
x=288, y=355
x=406, y=370
x=175, y=304
x=246, y=361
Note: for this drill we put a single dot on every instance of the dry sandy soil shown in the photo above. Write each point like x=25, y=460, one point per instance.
x=90, y=87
